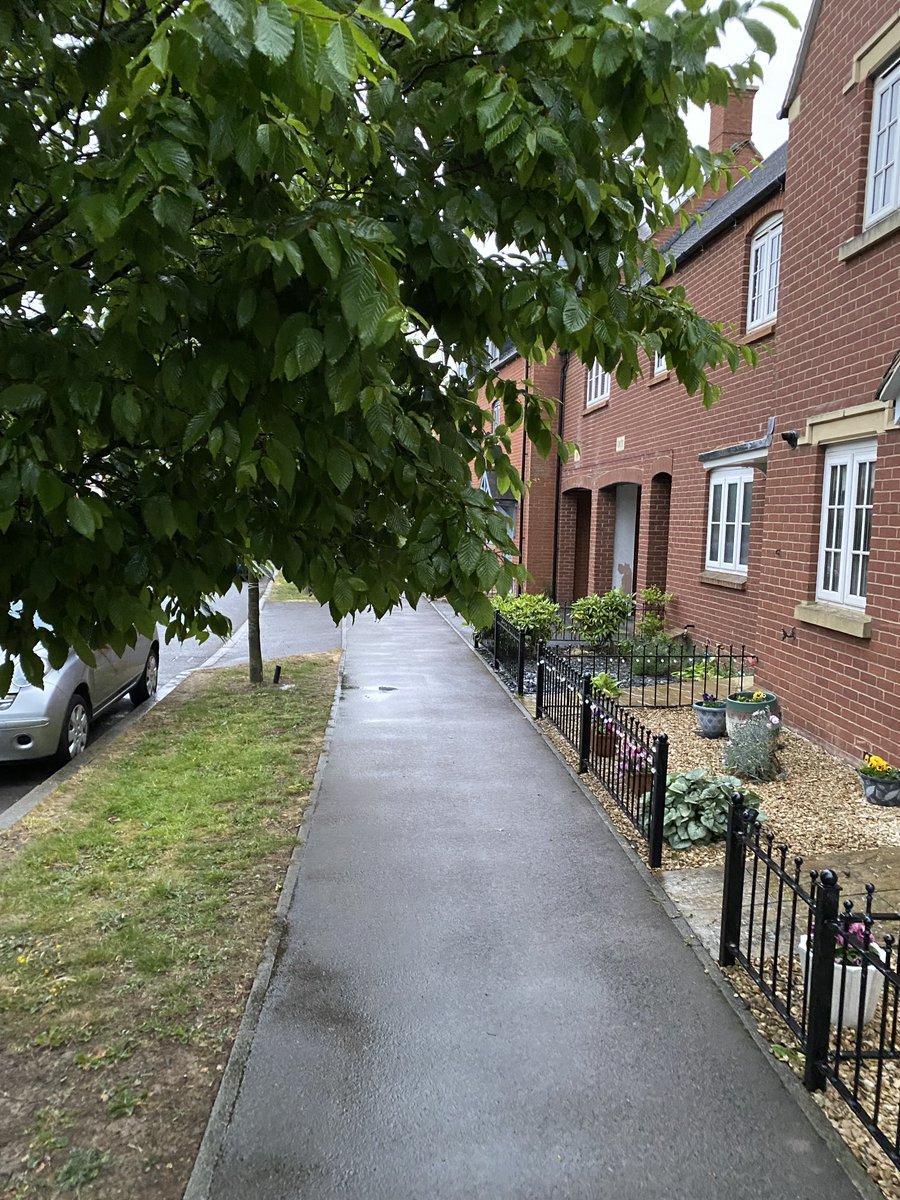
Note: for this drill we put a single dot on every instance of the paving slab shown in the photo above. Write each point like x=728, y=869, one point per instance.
x=477, y=995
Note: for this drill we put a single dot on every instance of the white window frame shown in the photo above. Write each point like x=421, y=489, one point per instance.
x=660, y=366
x=843, y=558
x=765, y=272
x=496, y=414
x=883, y=173
x=599, y=386
x=721, y=481
x=493, y=351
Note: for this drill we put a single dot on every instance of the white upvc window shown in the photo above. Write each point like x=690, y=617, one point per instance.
x=728, y=520
x=846, y=528
x=765, y=268
x=660, y=366
x=495, y=414
x=493, y=351
x=599, y=384
x=883, y=181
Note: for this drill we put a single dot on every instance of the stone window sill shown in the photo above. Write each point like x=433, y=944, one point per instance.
x=660, y=378
x=597, y=406
x=737, y=583
x=757, y=334
x=837, y=617
x=885, y=228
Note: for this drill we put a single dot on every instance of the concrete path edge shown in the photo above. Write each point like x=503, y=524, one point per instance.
x=198, y=1186
x=866, y=1187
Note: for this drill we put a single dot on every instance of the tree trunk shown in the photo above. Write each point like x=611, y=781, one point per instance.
x=253, y=639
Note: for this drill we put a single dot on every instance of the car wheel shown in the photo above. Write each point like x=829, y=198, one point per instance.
x=146, y=685
x=73, y=736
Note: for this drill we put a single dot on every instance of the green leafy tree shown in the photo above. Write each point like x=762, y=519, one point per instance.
x=244, y=291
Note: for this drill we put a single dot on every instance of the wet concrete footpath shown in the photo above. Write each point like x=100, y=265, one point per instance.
x=477, y=995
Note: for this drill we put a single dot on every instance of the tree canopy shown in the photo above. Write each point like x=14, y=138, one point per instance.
x=245, y=290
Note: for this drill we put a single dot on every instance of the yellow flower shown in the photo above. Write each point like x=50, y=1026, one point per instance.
x=759, y=695
x=878, y=763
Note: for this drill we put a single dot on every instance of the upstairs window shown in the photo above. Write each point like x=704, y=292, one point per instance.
x=495, y=413
x=599, y=384
x=882, y=193
x=765, y=267
x=846, y=528
x=728, y=522
x=660, y=366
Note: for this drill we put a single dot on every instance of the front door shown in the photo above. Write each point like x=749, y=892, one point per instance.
x=625, y=537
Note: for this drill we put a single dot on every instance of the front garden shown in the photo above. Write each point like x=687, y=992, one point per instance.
x=627, y=705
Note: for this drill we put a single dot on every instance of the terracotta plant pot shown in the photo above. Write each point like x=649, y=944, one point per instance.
x=710, y=719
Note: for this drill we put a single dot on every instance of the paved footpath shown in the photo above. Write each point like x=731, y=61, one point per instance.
x=478, y=997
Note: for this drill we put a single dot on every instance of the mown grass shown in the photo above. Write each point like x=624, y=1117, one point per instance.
x=282, y=590
x=134, y=904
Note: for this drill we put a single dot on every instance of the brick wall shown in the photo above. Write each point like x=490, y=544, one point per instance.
x=840, y=332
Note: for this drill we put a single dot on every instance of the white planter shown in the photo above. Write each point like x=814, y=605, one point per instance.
x=852, y=987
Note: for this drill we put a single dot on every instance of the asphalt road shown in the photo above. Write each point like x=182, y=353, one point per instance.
x=175, y=659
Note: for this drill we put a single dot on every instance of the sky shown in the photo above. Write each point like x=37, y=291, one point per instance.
x=768, y=132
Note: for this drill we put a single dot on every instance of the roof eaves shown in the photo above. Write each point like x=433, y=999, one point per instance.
x=800, y=62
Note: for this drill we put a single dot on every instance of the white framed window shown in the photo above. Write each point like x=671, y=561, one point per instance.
x=660, y=366
x=493, y=351
x=599, y=385
x=846, y=529
x=728, y=519
x=495, y=414
x=882, y=190
x=765, y=268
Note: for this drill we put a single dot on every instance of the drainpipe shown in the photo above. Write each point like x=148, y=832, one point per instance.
x=563, y=371
x=522, y=501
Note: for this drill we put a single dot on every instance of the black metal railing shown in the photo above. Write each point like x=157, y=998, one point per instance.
x=628, y=759
x=828, y=969
x=510, y=649
x=668, y=675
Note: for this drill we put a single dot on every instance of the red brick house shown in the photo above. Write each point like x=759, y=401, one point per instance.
x=775, y=516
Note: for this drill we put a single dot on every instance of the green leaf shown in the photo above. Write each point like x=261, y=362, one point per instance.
x=172, y=158
x=172, y=210
x=51, y=491
x=328, y=248
x=761, y=34
x=340, y=468
x=273, y=31
x=102, y=215
x=576, y=314
x=341, y=51
x=22, y=397
x=80, y=517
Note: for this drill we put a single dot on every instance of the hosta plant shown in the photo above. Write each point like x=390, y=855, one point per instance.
x=697, y=806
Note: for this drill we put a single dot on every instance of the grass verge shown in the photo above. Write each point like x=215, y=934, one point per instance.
x=282, y=590
x=134, y=904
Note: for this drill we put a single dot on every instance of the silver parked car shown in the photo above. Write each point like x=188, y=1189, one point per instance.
x=55, y=721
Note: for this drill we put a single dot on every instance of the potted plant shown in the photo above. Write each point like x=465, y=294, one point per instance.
x=740, y=706
x=710, y=716
x=852, y=945
x=880, y=781
x=608, y=688
x=638, y=763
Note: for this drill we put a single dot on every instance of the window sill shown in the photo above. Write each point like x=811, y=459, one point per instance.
x=837, y=617
x=884, y=228
x=757, y=334
x=660, y=378
x=598, y=404
x=736, y=583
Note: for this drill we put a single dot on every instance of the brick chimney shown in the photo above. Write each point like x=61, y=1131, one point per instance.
x=731, y=124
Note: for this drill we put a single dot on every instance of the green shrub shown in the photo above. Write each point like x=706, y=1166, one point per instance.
x=653, y=657
x=750, y=752
x=697, y=806
x=537, y=614
x=653, y=619
x=599, y=618
x=710, y=668
x=606, y=685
